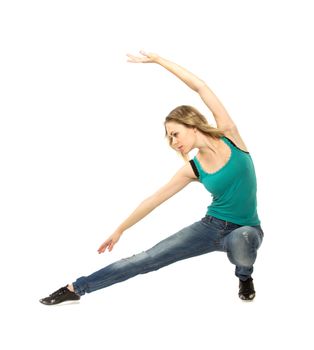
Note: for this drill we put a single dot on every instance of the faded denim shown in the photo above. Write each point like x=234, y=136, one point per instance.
x=207, y=235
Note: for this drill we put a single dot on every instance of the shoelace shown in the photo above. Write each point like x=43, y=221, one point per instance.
x=58, y=292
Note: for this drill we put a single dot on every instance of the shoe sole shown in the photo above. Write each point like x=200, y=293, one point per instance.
x=247, y=299
x=66, y=302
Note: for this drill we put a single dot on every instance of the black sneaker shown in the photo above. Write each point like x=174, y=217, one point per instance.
x=59, y=296
x=246, y=289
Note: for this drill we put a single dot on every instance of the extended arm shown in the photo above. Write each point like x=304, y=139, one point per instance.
x=182, y=178
x=222, y=118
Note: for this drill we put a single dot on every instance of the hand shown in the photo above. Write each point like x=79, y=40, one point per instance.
x=145, y=58
x=110, y=242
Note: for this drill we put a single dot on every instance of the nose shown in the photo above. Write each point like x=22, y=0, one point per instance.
x=174, y=142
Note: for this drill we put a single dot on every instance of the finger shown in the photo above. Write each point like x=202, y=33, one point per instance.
x=142, y=52
x=133, y=58
x=110, y=247
x=103, y=247
x=101, y=250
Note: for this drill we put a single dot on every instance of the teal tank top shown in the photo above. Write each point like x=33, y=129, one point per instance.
x=233, y=188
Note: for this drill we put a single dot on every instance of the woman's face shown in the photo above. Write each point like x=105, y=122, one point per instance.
x=182, y=138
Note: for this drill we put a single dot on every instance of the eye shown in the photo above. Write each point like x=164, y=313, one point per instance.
x=174, y=134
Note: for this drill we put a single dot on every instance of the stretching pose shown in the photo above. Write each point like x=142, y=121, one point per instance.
x=225, y=168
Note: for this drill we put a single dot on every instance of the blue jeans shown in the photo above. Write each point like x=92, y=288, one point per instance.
x=207, y=235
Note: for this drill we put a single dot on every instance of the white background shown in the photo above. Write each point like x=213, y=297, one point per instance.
x=82, y=144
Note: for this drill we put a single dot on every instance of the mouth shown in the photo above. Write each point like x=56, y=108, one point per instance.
x=180, y=148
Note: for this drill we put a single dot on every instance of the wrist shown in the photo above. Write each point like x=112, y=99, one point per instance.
x=159, y=60
x=119, y=231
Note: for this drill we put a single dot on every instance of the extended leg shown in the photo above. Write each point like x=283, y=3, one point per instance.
x=188, y=242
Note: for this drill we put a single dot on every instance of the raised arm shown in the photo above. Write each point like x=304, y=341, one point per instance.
x=182, y=178
x=222, y=118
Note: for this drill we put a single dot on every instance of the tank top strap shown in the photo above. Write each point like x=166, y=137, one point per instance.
x=233, y=145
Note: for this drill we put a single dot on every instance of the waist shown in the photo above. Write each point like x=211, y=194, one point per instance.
x=226, y=224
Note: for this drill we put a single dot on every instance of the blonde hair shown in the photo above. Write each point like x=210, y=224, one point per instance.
x=190, y=117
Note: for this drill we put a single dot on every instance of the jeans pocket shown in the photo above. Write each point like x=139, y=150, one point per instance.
x=213, y=223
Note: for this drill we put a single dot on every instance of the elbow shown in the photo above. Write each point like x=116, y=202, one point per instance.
x=153, y=201
x=200, y=85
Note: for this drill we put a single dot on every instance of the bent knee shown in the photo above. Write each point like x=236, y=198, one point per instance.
x=242, y=246
x=245, y=235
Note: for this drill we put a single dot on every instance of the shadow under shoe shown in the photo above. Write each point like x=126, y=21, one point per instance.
x=246, y=289
x=61, y=295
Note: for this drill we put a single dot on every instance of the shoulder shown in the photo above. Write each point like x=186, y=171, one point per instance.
x=189, y=171
x=234, y=135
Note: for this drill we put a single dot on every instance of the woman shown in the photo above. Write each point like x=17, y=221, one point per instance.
x=224, y=166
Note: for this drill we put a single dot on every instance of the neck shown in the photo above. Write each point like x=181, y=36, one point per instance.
x=208, y=146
